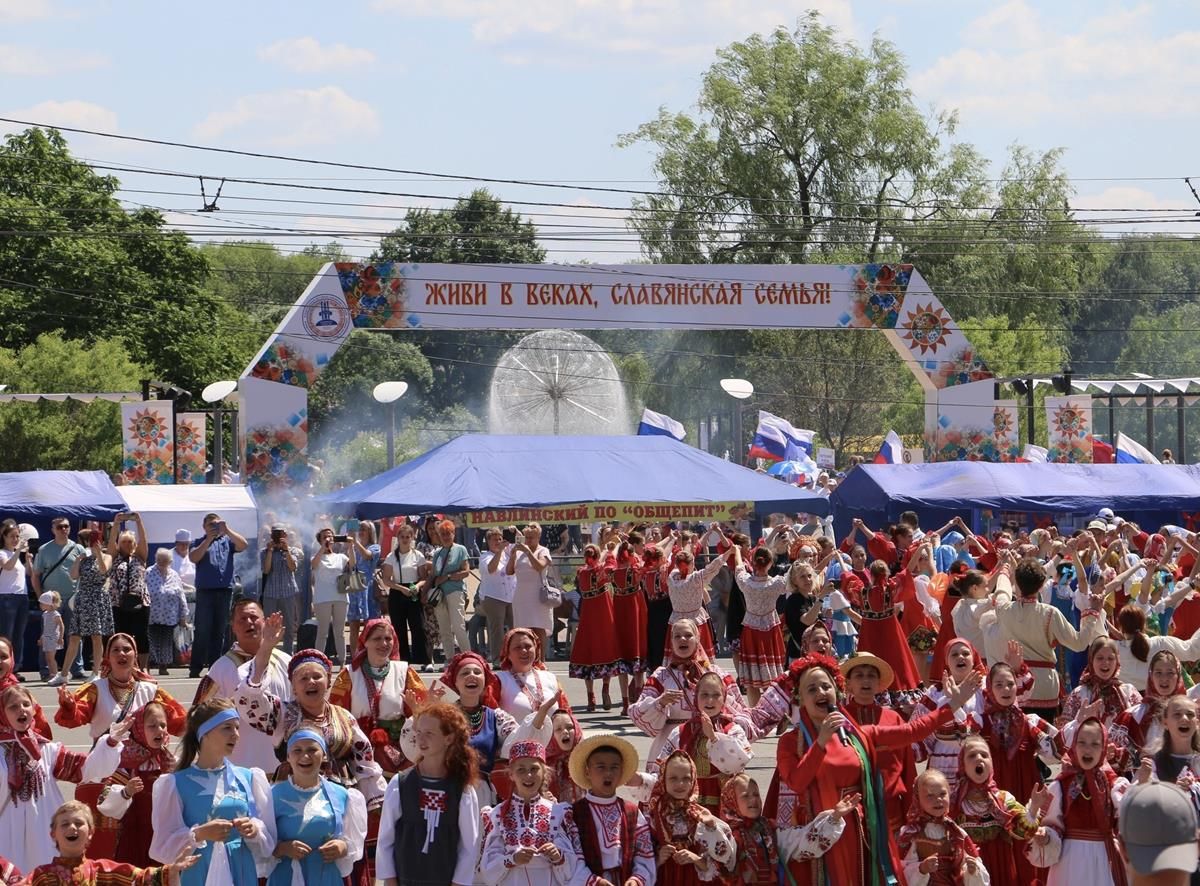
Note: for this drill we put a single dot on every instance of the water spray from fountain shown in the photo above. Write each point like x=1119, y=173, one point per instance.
x=557, y=382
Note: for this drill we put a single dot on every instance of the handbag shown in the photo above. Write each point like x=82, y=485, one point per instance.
x=350, y=581
x=550, y=596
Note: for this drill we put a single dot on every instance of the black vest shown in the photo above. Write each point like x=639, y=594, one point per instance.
x=416, y=865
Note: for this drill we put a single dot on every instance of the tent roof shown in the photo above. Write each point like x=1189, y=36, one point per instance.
x=483, y=471
x=165, y=509
x=1020, y=487
x=77, y=495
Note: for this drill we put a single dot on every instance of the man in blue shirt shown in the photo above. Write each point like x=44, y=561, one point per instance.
x=213, y=555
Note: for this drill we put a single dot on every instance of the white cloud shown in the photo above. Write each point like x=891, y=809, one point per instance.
x=32, y=62
x=24, y=10
x=576, y=30
x=306, y=54
x=1015, y=64
x=74, y=113
x=293, y=117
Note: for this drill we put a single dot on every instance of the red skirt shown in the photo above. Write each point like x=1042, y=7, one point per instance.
x=596, y=651
x=885, y=638
x=630, y=618
x=762, y=655
x=706, y=640
x=672, y=874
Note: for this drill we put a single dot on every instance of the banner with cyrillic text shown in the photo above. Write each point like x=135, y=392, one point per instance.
x=618, y=511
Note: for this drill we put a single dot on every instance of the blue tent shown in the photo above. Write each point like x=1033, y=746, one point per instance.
x=1150, y=495
x=482, y=471
x=37, y=496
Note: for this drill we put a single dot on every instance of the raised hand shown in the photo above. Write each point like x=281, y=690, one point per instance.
x=829, y=726
x=1145, y=771
x=272, y=632
x=846, y=805
x=118, y=732
x=135, y=785
x=1092, y=710
x=1039, y=801
x=1014, y=656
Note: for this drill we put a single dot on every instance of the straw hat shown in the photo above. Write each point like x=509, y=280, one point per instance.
x=579, y=756
x=886, y=674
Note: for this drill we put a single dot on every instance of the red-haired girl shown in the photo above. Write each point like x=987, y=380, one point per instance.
x=429, y=831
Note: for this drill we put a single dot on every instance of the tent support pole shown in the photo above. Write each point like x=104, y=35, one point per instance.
x=1030, y=413
x=1181, y=432
x=1150, y=422
x=218, y=454
x=1112, y=422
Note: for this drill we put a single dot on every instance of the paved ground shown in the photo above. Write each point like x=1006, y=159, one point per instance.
x=184, y=688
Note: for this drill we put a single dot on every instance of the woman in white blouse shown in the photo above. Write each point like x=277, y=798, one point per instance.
x=403, y=572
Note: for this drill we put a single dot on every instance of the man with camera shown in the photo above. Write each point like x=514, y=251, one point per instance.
x=280, y=592
x=213, y=555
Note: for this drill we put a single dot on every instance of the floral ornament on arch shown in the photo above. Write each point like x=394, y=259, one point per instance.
x=149, y=428
x=926, y=328
x=1070, y=422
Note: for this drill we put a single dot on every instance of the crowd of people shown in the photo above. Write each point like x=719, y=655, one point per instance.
x=1038, y=681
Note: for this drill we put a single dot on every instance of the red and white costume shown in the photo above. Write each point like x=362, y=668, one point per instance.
x=688, y=600
x=518, y=823
x=595, y=651
x=615, y=839
x=762, y=655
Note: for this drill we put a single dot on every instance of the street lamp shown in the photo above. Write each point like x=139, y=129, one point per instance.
x=389, y=392
x=739, y=389
x=216, y=393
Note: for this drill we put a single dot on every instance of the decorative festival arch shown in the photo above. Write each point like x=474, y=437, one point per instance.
x=962, y=418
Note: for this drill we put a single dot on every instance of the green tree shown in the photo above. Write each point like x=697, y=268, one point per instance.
x=83, y=266
x=69, y=435
x=805, y=149
x=257, y=279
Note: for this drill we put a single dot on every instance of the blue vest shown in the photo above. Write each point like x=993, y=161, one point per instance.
x=196, y=789
x=314, y=817
x=486, y=741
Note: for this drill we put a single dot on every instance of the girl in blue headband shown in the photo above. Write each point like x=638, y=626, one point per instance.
x=321, y=826
x=208, y=805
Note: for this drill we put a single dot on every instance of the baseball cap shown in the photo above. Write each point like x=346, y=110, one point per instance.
x=1105, y=514
x=1157, y=823
x=182, y=535
x=1098, y=524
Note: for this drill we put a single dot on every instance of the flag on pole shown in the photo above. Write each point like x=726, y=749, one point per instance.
x=657, y=424
x=777, y=439
x=1131, y=452
x=1037, y=454
x=891, y=451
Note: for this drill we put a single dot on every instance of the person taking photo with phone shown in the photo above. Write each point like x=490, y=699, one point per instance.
x=213, y=555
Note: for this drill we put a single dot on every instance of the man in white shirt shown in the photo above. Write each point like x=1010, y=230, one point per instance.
x=254, y=748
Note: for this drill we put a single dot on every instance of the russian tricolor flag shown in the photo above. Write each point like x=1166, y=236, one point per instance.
x=776, y=438
x=655, y=424
x=1131, y=452
x=891, y=451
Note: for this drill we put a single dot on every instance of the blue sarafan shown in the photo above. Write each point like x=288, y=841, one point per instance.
x=477, y=472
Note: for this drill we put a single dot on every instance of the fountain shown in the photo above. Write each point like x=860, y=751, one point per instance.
x=557, y=382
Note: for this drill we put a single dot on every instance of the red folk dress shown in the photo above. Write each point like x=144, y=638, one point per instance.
x=897, y=765
x=881, y=634
x=819, y=777
x=630, y=616
x=596, y=651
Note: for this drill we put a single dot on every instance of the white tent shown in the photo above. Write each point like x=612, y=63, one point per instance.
x=165, y=509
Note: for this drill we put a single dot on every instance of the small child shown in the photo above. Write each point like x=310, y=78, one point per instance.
x=617, y=849
x=566, y=735
x=1017, y=739
x=756, y=854
x=694, y=846
x=52, y=629
x=934, y=848
x=71, y=830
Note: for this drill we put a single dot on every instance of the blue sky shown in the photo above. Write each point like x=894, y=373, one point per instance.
x=543, y=88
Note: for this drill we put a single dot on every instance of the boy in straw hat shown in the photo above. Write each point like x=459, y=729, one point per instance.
x=867, y=676
x=616, y=836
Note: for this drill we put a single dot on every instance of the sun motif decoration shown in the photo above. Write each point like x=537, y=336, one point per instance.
x=1002, y=422
x=148, y=428
x=1070, y=422
x=926, y=328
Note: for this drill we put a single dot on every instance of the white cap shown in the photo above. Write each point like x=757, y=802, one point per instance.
x=47, y=598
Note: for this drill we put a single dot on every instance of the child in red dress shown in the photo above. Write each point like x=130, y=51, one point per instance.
x=71, y=828
x=595, y=652
x=694, y=846
x=880, y=632
x=1017, y=739
x=935, y=849
x=1141, y=725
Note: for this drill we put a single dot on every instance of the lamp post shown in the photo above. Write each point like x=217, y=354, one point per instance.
x=216, y=393
x=739, y=389
x=389, y=392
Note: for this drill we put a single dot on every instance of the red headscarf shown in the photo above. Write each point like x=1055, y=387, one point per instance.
x=976, y=660
x=665, y=810
x=692, y=731
x=137, y=751
x=106, y=668
x=914, y=825
x=1005, y=723
x=746, y=830
x=694, y=667
x=491, y=683
x=1094, y=784
x=1107, y=690
x=360, y=650
x=506, y=661
x=989, y=788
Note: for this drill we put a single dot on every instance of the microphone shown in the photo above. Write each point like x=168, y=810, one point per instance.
x=842, y=736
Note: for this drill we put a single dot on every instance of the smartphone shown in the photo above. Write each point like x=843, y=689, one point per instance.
x=341, y=538
x=221, y=527
x=448, y=695
x=352, y=525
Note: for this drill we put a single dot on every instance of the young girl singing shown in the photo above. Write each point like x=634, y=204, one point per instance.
x=934, y=848
x=1177, y=759
x=210, y=805
x=1079, y=841
x=694, y=846
x=429, y=828
x=1101, y=680
x=528, y=840
x=565, y=735
x=1141, y=725
x=1017, y=739
x=320, y=826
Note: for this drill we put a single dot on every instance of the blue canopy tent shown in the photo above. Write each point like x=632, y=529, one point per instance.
x=1150, y=495
x=482, y=472
x=37, y=496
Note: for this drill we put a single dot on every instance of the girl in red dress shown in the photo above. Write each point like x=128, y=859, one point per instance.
x=629, y=620
x=762, y=655
x=566, y=735
x=1016, y=738
x=1101, y=681
x=694, y=846
x=1141, y=725
x=880, y=632
x=817, y=767
x=595, y=651
x=993, y=818
x=934, y=848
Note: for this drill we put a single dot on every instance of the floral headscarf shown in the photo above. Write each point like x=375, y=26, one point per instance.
x=976, y=660
x=914, y=826
x=137, y=751
x=665, y=810
x=746, y=830
x=1091, y=785
x=360, y=650
x=1107, y=690
x=23, y=754
x=106, y=668
x=491, y=683
x=505, y=659
x=965, y=786
x=692, y=731
x=1006, y=723
x=698, y=664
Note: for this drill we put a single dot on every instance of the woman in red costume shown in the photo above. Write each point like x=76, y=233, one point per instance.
x=828, y=755
x=595, y=651
x=629, y=616
x=880, y=632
